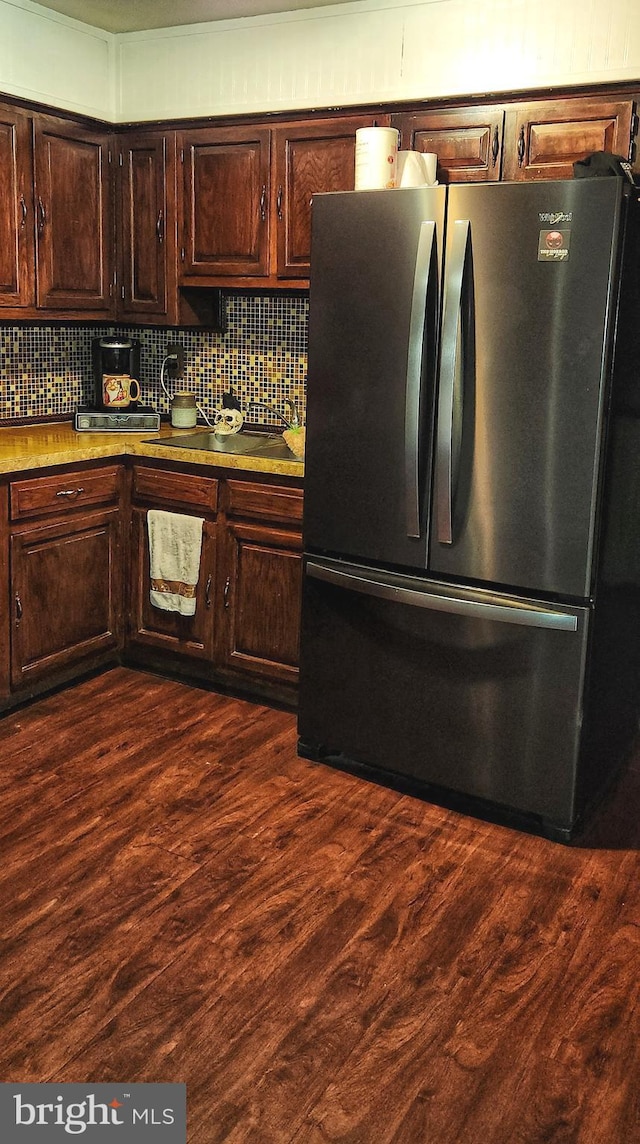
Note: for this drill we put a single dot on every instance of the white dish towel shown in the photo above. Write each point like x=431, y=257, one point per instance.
x=175, y=544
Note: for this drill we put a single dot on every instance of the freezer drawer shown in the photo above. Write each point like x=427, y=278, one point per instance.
x=477, y=693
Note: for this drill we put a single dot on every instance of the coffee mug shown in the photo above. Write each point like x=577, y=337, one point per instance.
x=119, y=390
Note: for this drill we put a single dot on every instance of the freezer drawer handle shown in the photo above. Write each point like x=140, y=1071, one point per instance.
x=526, y=615
x=450, y=363
x=414, y=377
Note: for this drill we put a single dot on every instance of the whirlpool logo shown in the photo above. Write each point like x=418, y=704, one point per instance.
x=552, y=218
x=132, y=1114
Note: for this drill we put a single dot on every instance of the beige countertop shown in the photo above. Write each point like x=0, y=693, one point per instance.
x=58, y=443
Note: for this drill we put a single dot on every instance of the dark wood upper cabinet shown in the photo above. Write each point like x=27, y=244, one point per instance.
x=74, y=234
x=536, y=140
x=16, y=209
x=544, y=139
x=230, y=206
x=146, y=225
x=309, y=158
x=224, y=202
x=245, y=197
x=467, y=141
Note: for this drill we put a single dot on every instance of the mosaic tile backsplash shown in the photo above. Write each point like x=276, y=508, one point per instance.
x=46, y=370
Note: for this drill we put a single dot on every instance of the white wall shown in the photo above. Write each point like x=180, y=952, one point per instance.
x=51, y=59
x=365, y=51
x=374, y=51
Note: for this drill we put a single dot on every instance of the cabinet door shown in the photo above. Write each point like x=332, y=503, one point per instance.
x=319, y=156
x=66, y=590
x=17, y=271
x=146, y=232
x=261, y=596
x=5, y=594
x=467, y=141
x=544, y=140
x=224, y=202
x=73, y=217
x=151, y=627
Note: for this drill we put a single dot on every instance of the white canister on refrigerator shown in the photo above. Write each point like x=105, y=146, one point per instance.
x=376, y=151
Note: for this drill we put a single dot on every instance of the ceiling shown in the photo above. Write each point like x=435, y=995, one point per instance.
x=137, y=15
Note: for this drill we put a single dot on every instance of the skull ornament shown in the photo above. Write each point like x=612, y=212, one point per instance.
x=227, y=421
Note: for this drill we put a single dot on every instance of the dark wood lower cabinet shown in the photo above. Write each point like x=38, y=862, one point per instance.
x=66, y=593
x=5, y=622
x=190, y=636
x=245, y=630
x=75, y=571
x=262, y=600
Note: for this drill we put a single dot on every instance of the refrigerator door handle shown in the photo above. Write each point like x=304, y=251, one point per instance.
x=414, y=378
x=527, y=615
x=449, y=362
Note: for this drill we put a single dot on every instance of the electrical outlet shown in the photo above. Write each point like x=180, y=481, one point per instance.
x=175, y=367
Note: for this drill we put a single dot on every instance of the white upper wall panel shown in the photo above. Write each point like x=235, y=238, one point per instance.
x=364, y=51
x=462, y=46
x=306, y=59
x=376, y=51
x=51, y=59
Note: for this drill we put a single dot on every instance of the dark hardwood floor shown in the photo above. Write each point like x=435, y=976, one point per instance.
x=183, y=899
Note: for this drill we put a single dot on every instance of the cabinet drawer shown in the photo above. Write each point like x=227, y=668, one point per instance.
x=171, y=489
x=270, y=502
x=42, y=496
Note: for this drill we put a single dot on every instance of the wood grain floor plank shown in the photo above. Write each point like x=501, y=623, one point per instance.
x=318, y=958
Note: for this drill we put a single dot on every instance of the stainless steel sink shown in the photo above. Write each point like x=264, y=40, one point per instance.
x=267, y=445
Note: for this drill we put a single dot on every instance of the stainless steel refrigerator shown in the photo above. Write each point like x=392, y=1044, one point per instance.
x=471, y=616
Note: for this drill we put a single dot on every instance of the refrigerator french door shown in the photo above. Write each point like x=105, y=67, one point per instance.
x=460, y=356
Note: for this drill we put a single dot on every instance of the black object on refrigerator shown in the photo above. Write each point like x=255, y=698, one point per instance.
x=471, y=600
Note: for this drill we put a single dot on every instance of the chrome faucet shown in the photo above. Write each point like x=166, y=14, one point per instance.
x=293, y=423
x=294, y=420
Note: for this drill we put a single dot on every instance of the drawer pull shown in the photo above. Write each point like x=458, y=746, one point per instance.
x=495, y=146
x=70, y=492
x=521, y=147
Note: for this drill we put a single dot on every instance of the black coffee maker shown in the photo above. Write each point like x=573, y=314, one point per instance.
x=116, y=376
x=116, y=373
